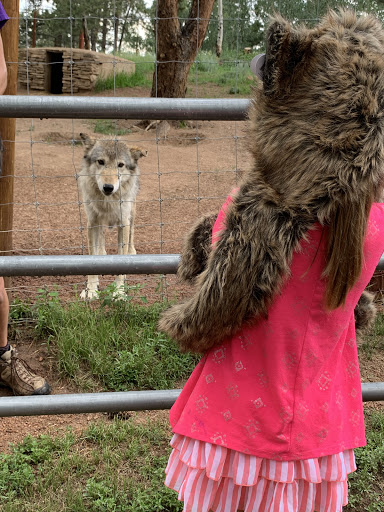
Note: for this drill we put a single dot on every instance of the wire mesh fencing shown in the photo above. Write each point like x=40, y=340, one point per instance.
x=113, y=50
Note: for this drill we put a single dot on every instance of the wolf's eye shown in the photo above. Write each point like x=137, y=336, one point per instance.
x=120, y=164
x=100, y=162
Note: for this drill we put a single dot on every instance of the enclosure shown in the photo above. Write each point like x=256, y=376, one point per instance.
x=194, y=160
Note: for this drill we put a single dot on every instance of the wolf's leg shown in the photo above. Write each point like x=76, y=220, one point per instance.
x=96, y=246
x=125, y=235
x=122, y=241
x=131, y=230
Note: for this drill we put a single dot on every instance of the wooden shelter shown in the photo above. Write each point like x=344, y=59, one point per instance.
x=67, y=70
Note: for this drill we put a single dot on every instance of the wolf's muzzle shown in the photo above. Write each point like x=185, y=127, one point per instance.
x=108, y=189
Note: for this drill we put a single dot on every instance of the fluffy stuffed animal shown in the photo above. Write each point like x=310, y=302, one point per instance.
x=317, y=142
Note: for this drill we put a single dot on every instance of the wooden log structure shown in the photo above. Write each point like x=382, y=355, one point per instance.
x=78, y=68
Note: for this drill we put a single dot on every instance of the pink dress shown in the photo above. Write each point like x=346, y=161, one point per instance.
x=268, y=420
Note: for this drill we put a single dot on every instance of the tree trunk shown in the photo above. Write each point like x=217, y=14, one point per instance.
x=34, y=30
x=124, y=27
x=104, y=34
x=93, y=39
x=116, y=30
x=87, y=44
x=220, y=28
x=177, y=46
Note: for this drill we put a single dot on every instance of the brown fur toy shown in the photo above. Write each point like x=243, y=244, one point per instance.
x=317, y=141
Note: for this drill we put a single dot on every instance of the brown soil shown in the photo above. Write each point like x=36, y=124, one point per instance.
x=186, y=174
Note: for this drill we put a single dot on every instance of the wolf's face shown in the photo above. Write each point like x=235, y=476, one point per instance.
x=111, y=163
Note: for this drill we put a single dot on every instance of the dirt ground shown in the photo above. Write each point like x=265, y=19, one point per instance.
x=186, y=174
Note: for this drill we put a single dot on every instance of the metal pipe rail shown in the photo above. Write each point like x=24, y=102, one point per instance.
x=87, y=402
x=117, y=401
x=68, y=107
x=95, y=265
x=88, y=265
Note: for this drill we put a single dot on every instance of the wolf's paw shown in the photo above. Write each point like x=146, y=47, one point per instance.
x=88, y=294
x=119, y=293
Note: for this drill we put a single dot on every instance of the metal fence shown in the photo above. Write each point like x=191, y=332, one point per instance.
x=49, y=245
x=139, y=264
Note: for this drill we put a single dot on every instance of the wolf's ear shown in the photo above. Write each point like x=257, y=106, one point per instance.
x=87, y=142
x=286, y=49
x=138, y=153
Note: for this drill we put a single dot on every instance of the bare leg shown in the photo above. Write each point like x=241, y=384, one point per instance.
x=4, y=312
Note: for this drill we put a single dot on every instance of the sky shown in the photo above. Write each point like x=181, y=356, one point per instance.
x=24, y=3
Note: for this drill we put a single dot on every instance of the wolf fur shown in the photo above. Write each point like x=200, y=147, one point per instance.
x=317, y=140
x=109, y=183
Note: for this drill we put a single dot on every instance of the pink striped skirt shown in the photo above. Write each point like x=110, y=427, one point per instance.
x=209, y=477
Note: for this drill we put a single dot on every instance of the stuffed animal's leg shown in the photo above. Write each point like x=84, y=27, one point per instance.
x=245, y=270
x=365, y=313
x=196, y=249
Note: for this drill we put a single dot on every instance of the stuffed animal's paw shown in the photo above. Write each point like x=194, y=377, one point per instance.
x=365, y=312
x=177, y=324
x=197, y=247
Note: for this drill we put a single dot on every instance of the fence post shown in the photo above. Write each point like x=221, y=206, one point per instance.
x=10, y=36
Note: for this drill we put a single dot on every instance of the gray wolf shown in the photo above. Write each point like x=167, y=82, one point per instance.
x=316, y=136
x=109, y=183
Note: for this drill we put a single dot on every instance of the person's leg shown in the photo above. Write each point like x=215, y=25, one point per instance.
x=14, y=372
x=4, y=311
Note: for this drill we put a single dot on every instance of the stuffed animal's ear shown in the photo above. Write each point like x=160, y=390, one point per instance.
x=286, y=49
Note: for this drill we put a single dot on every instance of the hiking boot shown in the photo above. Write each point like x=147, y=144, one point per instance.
x=17, y=375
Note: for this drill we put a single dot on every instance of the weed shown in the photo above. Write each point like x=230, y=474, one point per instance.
x=120, y=80
x=114, y=346
x=374, y=340
x=143, y=64
x=109, y=127
x=124, y=474
x=19, y=310
x=228, y=72
x=365, y=485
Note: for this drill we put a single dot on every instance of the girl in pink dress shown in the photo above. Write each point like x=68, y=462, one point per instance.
x=269, y=418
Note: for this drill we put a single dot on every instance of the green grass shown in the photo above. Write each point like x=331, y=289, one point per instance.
x=109, y=344
x=119, y=465
x=122, y=79
x=144, y=64
x=374, y=341
x=366, y=486
x=230, y=72
x=109, y=127
x=116, y=467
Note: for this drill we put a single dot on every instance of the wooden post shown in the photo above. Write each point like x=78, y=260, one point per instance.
x=10, y=36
